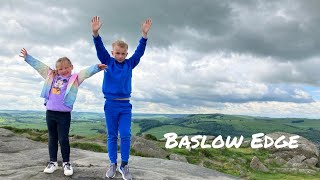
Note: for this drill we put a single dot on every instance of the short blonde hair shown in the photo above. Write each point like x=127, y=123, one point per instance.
x=63, y=60
x=120, y=43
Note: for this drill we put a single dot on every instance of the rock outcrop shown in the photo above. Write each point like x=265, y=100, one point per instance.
x=298, y=160
x=147, y=148
x=21, y=158
x=257, y=165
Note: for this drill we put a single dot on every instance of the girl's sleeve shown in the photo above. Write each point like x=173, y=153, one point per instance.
x=42, y=68
x=88, y=72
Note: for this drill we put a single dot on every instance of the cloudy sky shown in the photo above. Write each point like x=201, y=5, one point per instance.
x=235, y=57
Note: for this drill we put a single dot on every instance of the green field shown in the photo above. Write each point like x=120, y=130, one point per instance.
x=160, y=131
x=230, y=125
x=91, y=124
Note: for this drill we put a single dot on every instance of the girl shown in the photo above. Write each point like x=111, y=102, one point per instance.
x=59, y=91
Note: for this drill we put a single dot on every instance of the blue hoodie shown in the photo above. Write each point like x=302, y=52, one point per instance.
x=117, y=77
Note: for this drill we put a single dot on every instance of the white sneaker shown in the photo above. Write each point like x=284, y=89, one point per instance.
x=52, y=166
x=67, y=168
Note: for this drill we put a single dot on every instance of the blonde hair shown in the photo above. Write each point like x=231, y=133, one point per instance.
x=63, y=60
x=120, y=43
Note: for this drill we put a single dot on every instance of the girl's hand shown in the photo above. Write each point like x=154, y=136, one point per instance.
x=24, y=53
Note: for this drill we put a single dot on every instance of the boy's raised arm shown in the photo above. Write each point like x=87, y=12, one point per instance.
x=95, y=25
x=102, y=53
x=145, y=27
x=42, y=68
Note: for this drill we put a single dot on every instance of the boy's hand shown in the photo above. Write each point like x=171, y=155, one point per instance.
x=95, y=25
x=145, y=27
x=102, y=66
x=24, y=53
x=54, y=72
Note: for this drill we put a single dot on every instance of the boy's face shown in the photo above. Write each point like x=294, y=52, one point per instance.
x=64, y=69
x=119, y=53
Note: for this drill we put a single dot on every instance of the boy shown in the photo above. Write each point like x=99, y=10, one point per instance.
x=117, y=89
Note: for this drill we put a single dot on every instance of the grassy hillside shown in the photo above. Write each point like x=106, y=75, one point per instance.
x=232, y=125
x=90, y=124
x=82, y=123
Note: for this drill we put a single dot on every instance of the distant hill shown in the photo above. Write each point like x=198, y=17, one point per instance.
x=230, y=125
x=90, y=123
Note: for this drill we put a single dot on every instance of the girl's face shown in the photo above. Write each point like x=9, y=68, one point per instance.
x=64, y=69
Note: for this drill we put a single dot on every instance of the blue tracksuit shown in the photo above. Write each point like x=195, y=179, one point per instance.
x=117, y=84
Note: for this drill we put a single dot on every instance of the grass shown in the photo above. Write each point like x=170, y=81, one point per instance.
x=33, y=134
x=25, y=130
x=135, y=128
x=158, y=132
x=86, y=128
x=135, y=153
x=230, y=161
x=282, y=176
x=89, y=146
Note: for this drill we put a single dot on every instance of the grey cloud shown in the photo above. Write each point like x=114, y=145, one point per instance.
x=232, y=26
x=198, y=96
x=120, y=17
x=305, y=72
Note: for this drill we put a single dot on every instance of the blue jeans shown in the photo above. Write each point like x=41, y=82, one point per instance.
x=58, y=127
x=118, y=119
